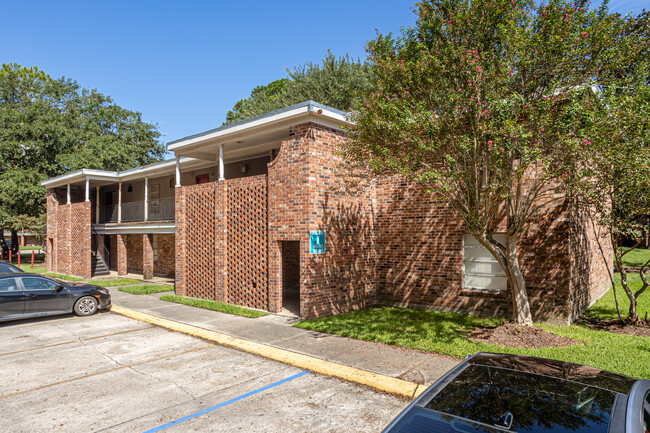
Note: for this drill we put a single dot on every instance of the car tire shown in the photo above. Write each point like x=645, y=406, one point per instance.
x=85, y=306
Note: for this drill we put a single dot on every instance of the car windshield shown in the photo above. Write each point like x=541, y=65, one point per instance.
x=6, y=268
x=525, y=402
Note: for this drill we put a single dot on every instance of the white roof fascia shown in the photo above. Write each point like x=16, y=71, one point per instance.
x=312, y=112
x=80, y=175
x=116, y=176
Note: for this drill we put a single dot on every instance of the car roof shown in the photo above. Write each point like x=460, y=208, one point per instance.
x=559, y=369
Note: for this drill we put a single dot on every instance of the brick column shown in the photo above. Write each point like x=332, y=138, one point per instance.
x=121, y=255
x=180, y=276
x=147, y=256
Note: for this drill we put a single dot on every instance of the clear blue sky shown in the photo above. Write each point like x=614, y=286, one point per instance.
x=184, y=64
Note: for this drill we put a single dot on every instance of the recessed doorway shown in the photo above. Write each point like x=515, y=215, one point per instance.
x=290, y=276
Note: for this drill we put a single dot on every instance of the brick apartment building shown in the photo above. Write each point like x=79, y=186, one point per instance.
x=253, y=214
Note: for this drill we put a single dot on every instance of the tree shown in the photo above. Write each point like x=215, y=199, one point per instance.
x=482, y=103
x=613, y=182
x=334, y=83
x=49, y=127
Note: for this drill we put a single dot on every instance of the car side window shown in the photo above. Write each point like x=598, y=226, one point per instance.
x=8, y=285
x=38, y=283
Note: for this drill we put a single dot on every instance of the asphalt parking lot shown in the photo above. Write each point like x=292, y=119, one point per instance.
x=112, y=373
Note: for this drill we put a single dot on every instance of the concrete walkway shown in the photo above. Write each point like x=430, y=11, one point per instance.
x=276, y=331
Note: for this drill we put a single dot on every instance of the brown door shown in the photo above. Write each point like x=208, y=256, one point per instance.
x=202, y=178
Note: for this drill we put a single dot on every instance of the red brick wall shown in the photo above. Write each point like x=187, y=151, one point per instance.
x=113, y=252
x=121, y=260
x=390, y=244
x=165, y=265
x=306, y=193
x=247, y=231
x=68, y=231
x=133, y=245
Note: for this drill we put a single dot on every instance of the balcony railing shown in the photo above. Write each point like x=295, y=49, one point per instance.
x=162, y=209
x=158, y=210
x=133, y=211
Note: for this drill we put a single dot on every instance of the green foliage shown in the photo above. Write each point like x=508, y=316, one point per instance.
x=116, y=282
x=487, y=104
x=447, y=334
x=334, y=83
x=147, y=289
x=49, y=127
x=214, y=305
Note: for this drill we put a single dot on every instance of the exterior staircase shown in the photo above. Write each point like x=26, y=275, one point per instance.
x=98, y=265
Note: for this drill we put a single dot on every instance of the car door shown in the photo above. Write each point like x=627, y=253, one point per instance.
x=43, y=295
x=12, y=298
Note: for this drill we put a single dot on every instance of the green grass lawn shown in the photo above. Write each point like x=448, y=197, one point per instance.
x=29, y=248
x=605, y=308
x=635, y=258
x=214, y=305
x=148, y=289
x=38, y=268
x=447, y=333
x=63, y=276
x=117, y=282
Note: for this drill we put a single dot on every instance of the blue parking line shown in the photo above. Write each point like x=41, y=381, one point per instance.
x=225, y=403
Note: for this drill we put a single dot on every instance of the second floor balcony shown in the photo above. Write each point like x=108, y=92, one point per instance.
x=157, y=210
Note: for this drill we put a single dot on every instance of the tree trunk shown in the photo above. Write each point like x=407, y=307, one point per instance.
x=632, y=314
x=509, y=262
x=520, y=305
x=15, y=247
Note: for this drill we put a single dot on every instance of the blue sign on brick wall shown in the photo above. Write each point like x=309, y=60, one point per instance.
x=316, y=242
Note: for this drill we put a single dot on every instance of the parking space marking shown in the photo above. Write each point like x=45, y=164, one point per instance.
x=225, y=403
x=105, y=371
x=75, y=341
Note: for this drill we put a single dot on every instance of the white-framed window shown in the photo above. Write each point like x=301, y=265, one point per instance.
x=480, y=269
x=154, y=247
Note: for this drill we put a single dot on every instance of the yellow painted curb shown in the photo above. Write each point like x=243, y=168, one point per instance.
x=374, y=380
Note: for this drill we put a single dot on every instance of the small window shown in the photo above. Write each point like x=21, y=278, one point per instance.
x=8, y=285
x=36, y=283
x=480, y=269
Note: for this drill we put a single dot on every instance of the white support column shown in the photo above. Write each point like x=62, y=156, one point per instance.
x=119, y=202
x=87, y=189
x=97, y=205
x=68, y=194
x=221, y=165
x=146, y=198
x=178, y=170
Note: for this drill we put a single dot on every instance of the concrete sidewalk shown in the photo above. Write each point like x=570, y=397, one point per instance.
x=276, y=331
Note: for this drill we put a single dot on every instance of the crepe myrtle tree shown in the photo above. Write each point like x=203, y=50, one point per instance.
x=481, y=102
x=612, y=179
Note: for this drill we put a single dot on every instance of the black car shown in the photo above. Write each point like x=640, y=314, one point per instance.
x=7, y=268
x=24, y=295
x=492, y=393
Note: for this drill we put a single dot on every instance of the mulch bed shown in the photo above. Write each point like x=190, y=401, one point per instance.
x=640, y=328
x=512, y=335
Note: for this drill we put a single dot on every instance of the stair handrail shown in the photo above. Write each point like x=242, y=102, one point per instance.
x=107, y=253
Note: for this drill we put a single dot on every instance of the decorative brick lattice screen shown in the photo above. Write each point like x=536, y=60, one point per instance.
x=62, y=243
x=80, y=239
x=200, y=244
x=248, y=242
